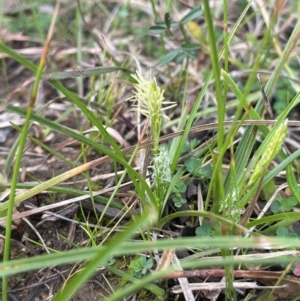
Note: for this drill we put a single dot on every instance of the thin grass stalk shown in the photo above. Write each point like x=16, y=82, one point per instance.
x=204, y=214
x=226, y=45
x=79, y=50
x=125, y=248
x=10, y=202
x=67, y=190
x=216, y=71
x=280, y=278
x=11, y=155
x=264, y=45
x=230, y=292
x=168, y=5
x=217, y=181
x=274, y=218
x=15, y=176
x=154, y=9
x=18, y=57
x=225, y=88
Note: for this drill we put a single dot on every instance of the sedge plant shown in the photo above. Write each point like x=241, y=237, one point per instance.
x=148, y=98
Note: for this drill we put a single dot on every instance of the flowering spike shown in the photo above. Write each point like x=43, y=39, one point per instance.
x=271, y=151
x=150, y=97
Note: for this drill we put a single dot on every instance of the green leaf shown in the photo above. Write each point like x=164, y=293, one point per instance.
x=207, y=171
x=168, y=20
x=194, y=143
x=163, y=23
x=170, y=56
x=288, y=204
x=294, y=235
x=157, y=29
x=192, y=15
x=136, y=265
x=275, y=207
x=191, y=164
x=191, y=56
x=180, y=57
x=176, y=199
x=282, y=232
x=293, y=182
x=204, y=230
x=180, y=186
x=149, y=263
x=146, y=264
x=177, y=202
x=207, y=227
x=190, y=47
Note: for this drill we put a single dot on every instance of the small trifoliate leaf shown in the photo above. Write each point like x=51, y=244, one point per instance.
x=190, y=47
x=293, y=235
x=204, y=230
x=191, y=164
x=275, y=207
x=170, y=56
x=180, y=57
x=157, y=29
x=288, y=204
x=282, y=232
x=192, y=15
x=180, y=186
x=168, y=20
x=149, y=264
x=135, y=265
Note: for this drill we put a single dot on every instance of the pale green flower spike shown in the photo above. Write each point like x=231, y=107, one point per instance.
x=271, y=151
x=230, y=203
x=232, y=198
x=161, y=173
x=161, y=167
x=150, y=97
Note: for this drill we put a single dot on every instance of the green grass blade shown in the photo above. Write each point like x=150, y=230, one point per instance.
x=293, y=184
x=28, y=264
